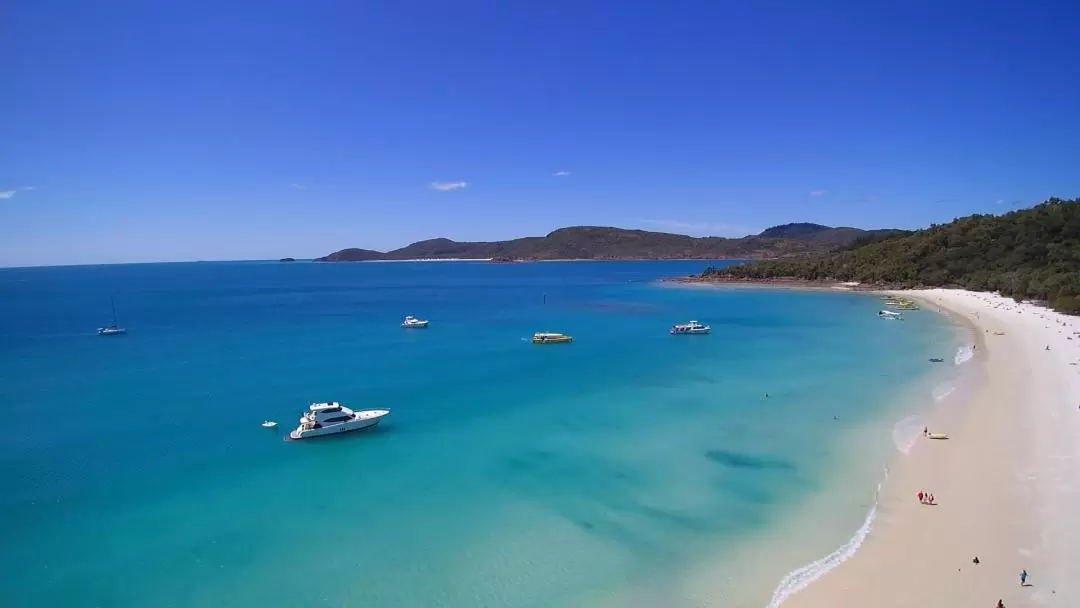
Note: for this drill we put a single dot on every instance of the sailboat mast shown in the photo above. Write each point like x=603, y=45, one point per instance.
x=113, y=302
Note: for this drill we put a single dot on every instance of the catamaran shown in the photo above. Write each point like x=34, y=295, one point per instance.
x=114, y=329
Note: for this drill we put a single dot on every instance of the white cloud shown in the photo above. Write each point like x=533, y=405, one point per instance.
x=447, y=186
x=561, y=173
x=821, y=192
x=701, y=228
x=1000, y=201
x=5, y=194
x=298, y=186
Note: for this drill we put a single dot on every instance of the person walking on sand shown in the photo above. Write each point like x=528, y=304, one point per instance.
x=920, y=495
x=929, y=499
x=1023, y=577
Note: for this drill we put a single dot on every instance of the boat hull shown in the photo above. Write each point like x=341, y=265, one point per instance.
x=565, y=340
x=111, y=332
x=356, y=424
x=689, y=332
x=420, y=325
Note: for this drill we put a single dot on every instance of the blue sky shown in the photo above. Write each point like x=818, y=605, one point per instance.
x=143, y=131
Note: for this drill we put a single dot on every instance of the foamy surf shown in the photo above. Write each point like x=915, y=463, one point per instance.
x=906, y=432
x=801, y=578
x=964, y=354
x=942, y=391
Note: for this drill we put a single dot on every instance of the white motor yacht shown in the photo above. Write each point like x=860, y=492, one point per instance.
x=332, y=417
x=690, y=328
x=411, y=321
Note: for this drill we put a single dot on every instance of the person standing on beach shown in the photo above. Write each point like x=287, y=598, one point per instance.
x=920, y=495
x=1023, y=577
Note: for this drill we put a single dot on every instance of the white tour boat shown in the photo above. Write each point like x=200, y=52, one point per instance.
x=331, y=418
x=888, y=314
x=690, y=328
x=411, y=321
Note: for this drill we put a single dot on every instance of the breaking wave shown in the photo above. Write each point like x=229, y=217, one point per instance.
x=964, y=354
x=800, y=579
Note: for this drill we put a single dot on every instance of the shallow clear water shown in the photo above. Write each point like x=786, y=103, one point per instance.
x=135, y=472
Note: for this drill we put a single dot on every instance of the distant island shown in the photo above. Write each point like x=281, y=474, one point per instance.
x=287, y=260
x=1026, y=254
x=602, y=243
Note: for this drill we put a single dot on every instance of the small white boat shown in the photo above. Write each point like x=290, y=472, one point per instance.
x=268, y=424
x=690, y=328
x=888, y=314
x=331, y=418
x=412, y=322
x=549, y=337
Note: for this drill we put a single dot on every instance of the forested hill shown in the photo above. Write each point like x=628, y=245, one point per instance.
x=1030, y=253
x=600, y=243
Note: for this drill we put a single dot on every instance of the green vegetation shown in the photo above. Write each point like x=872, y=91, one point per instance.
x=1026, y=254
x=602, y=243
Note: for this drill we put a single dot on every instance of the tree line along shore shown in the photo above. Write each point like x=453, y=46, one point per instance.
x=1028, y=254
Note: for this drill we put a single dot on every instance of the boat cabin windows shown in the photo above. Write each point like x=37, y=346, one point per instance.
x=336, y=419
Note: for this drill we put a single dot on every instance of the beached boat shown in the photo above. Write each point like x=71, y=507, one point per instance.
x=545, y=337
x=114, y=329
x=413, y=323
x=331, y=418
x=689, y=328
x=938, y=435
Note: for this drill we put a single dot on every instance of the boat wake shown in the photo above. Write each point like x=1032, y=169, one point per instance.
x=964, y=354
x=800, y=579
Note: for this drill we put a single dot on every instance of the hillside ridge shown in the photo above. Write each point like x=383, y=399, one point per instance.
x=608, y=243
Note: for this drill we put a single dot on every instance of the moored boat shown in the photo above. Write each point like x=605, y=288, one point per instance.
x=888, y=314
x=114, y=329
x=331, y=417
x=689, y=328
x=412, y=322
x=547, y=337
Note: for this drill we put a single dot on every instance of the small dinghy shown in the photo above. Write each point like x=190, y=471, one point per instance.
x=937, y=360
x=938, y=435
x=268, y=424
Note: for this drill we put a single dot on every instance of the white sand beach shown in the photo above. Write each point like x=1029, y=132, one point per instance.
x=1006, y=482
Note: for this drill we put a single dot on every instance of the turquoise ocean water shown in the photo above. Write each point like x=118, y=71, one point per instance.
x=613, y=471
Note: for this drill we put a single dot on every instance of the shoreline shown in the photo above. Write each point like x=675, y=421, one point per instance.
x=984, y=478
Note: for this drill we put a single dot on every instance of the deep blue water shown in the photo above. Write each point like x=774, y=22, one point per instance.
x=135, y=473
